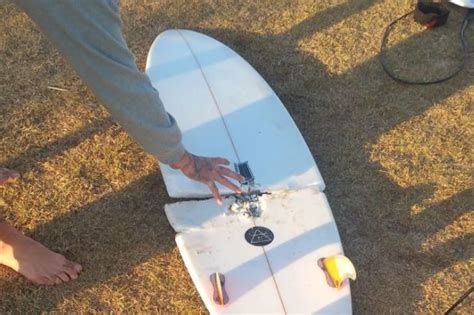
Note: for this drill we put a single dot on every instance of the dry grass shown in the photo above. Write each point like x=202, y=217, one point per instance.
x=397, y=159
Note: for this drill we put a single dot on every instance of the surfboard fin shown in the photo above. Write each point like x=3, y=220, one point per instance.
x=218, y=282
x=338, y=268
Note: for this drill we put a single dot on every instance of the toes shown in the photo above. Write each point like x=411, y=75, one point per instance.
x=51, y=281
x=43, y=281
x=72, y=269
x=63, y=276
x=7, y=175
x=57, y=280
x=77, y=267
x=72, y=273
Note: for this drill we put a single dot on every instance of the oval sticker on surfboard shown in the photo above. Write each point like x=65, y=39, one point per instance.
x=259, y=236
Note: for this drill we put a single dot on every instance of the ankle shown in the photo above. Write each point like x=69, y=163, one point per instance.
x=6, y=235
x=4, y=250
x=7, y=248
x=3, y=232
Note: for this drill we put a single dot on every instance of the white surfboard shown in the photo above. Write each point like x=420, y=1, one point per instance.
x=224, y=108
x=267, y=249
x=280, y=277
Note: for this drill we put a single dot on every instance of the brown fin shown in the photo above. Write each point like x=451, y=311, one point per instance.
x=218, y=282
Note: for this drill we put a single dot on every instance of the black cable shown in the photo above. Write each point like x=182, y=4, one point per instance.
x=466, y=21
x=465, y=295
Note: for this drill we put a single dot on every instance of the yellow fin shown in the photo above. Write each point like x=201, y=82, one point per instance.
x=339, y=268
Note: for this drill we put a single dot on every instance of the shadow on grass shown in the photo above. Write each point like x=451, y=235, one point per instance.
x=339, y=116
x=108, y=237
x=35, y=155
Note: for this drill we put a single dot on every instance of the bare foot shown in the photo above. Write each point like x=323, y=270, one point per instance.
x=34, y=261
x=7, y=175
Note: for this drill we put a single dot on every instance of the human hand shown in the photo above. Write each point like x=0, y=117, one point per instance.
x=208, y=171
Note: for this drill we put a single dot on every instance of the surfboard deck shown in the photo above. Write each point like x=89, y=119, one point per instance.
x=284, y=273
x=225, y=108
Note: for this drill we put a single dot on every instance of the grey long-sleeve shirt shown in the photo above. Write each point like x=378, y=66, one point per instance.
x=89, y=36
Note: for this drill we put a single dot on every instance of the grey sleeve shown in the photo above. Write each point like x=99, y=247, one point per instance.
x=89, y=36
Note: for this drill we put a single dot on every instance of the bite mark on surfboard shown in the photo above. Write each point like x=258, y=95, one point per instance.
x=247, y=204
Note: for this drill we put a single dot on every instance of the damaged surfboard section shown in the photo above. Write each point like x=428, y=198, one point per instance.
x=247, y=204
x=295, y=228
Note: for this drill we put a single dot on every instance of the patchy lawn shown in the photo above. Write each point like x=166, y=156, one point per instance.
x=397, y=159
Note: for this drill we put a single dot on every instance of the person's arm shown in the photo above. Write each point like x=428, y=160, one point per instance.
x=89, y=36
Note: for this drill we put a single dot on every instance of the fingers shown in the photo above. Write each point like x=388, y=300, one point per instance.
x=219, y=173
x=210, y=170
x=215, y=192
x=227, y=172
x=219, y=160
x=228, y=184
x=225, y=182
